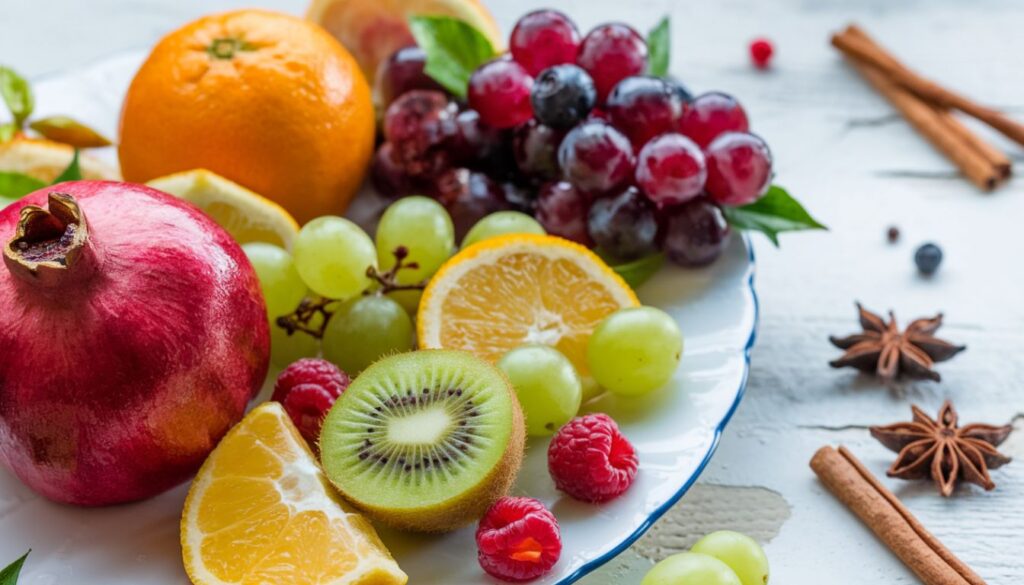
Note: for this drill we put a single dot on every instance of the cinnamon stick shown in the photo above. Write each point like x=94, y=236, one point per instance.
x=857, y=43
x=889, y=519
x=938, y=129
x=1001, y=162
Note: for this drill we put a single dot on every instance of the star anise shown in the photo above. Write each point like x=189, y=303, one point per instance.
x=943, y=451
x=883, y=349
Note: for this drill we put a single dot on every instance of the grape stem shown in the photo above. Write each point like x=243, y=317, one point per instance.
x=388, y=281
x=310, y=307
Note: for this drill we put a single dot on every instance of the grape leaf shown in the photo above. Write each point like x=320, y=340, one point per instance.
x=69, y=131
x=9, y=576
x=454, y=50
x=17, y=185
x=639, y=271
x=17, y=95
x=659, y=44
x=772, y=214
x=72, y=173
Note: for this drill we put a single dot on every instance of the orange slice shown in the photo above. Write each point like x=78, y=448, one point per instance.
x=374, y=29
x=510, y=290
x=261, y=511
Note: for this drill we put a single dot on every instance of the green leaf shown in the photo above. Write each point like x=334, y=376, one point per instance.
x=454, y=50
x=71, y=173
x=634, y=272
x=659, y=44
x=772, y=214
x=17, y=185
x=639, y=271
x=17, y=95
x=69, y=131
x=9, y=576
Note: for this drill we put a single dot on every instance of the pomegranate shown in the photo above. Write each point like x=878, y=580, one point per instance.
x=132, y=335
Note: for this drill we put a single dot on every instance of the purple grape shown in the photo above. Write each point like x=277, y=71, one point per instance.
x=535, y=147
x=403, y=72
x=624, y=225
x=694, y=233
x=596, y=158
x=387, y=175
x=421, y=127
x=562, y=210
x=468, y=196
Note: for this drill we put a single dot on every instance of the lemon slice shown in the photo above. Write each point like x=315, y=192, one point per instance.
x=260, y=511
x=510, y=290
x=248, y=217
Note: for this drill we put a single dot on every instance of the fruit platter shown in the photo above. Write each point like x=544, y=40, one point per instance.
x=329, y=312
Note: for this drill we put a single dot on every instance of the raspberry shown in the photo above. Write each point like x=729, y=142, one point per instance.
x=518, y=540
x=307, y=389
x=590, y=460
x=761, y=52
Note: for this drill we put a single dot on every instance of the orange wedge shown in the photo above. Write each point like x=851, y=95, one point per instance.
x=261, y=511
x=510, y=290
x=374, y=29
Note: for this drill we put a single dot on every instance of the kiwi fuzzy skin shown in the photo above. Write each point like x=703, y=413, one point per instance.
x=469, y=506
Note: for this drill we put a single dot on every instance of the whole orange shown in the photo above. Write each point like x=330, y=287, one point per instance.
x=267, y=100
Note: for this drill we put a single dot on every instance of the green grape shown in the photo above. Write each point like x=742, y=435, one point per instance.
x=635, y=351
x=742, y=553
x=691, y=568
x=332, y=255
x=425, y=229
x=365, y=329
x=286, y=349
x=547, y=385
x=282, y=287
x=500, y=224
x=409, y=299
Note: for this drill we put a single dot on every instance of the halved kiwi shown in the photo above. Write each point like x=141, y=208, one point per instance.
x=425, y=440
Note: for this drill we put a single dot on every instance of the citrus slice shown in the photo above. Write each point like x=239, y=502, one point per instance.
x=45, y=160
x=374, y=29
x=261, y=511
x=510, y=290
x=248, y=217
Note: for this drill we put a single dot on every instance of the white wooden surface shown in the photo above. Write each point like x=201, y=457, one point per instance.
x=841, y=150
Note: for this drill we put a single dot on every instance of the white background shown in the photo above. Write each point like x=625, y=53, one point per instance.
x=859, y=168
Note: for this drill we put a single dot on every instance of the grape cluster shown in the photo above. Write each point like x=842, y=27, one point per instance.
x=571, y=129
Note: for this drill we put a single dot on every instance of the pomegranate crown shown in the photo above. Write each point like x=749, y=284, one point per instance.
x=49, y=244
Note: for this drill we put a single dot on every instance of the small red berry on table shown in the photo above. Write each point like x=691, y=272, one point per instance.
x=761, y=51
x=590, y=460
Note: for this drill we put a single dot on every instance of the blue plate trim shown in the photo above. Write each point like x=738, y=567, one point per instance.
x=590, y=566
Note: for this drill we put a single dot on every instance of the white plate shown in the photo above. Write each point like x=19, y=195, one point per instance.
x=675, y=431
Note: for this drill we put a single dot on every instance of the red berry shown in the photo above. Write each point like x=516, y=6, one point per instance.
x=739, y=168
x=671, y=169
x=611, y=53
x=596, y=158
x=500, y=91
x=711, y=114
x=518, y=540
x=643, y=107
x=307, y=389
x=543, y=38
x=761, y=52
x=562, y=210
x=590, y=460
